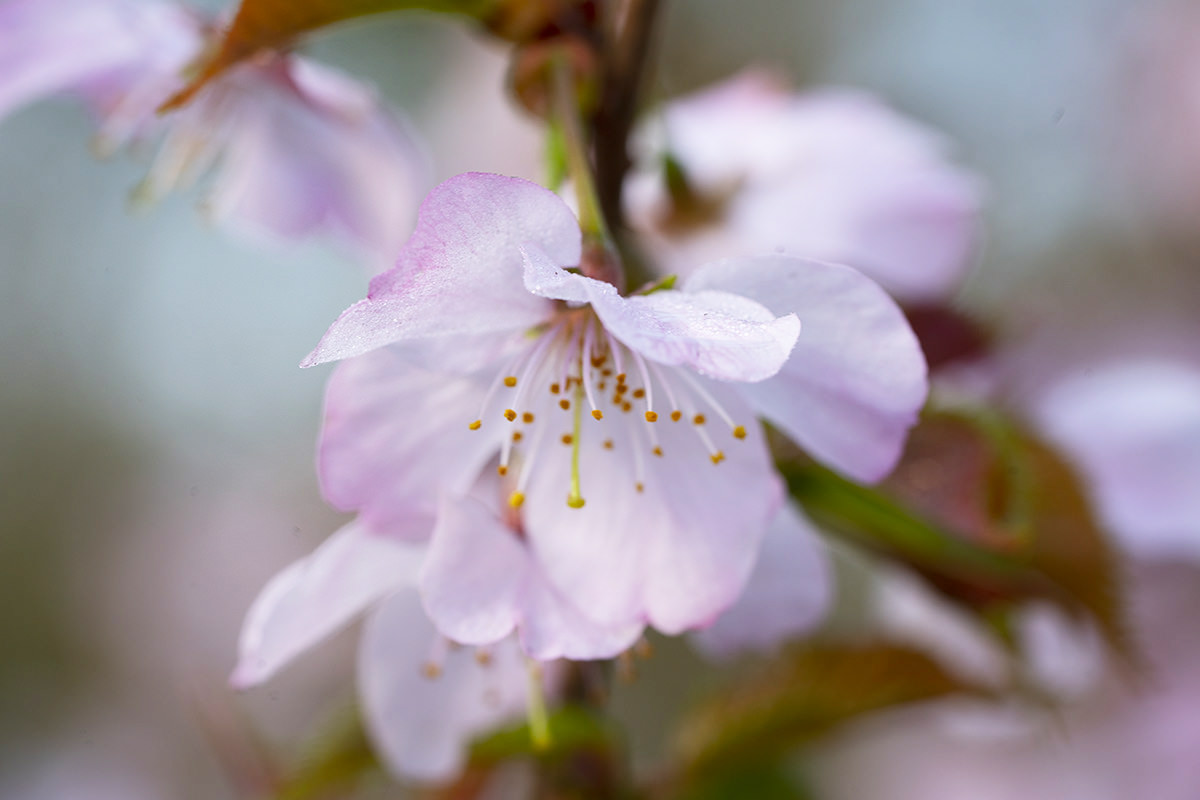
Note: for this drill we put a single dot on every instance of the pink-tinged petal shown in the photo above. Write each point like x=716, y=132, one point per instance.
x=51, y=46
x=460, y=272
x=395, y=436
x=787, y=595
x=480, y=582
x=911, y=227
x=472, y=581
x=677, y=552
x=856, y=379
x=830, y=175
x=311, y=151
x=1134, y=431
x=422, y=726
x=720, y=335
x=317, y=595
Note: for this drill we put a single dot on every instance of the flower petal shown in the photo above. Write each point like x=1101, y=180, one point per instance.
x=480, y=581
x=49, y=46
x=856, y=379
x=675, y=554
x=719, y=334
x=318, y=594
x=472, y=580
x=422, y=726
x=1134, y=430
x=460, y=272
x=395, y=436
x=788, y=593
x=314, y=151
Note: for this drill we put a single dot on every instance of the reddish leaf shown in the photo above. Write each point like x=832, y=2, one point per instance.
x=275, y=24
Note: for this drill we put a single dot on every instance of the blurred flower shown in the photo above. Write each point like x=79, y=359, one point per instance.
x=747, y=167
x=1133, y=429
x=632, y=518
x=1113, y=743
x=295, y=148
x=423, y=697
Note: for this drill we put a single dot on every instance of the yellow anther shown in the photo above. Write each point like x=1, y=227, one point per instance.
x=510, y=381
x=651, y=416
x=676, y=416
x=475, y=425
x=431, y=670
x=564, y=404
x=516, y=499
x=554, y=388
x=502, y=470
x=575, y=501
x=509, y=414
x=640, y=486
x=516, y=436
x=717, y=457
x=567, y=438
x=608, y=444
x=698, y=419
x=739, y=432
x=627, y=407
x=620, y=377
x=639, y=393
x=597, y=413
x=602, y=386
x=657, y=450
x=527, y=417
x=483, y=658
x=606, y=372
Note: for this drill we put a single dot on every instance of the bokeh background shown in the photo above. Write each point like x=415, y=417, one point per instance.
x=156, y=435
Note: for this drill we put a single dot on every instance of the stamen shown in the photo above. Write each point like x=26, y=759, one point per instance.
x=494, y=387
x=676, y=416
x=509, y=414
x=708, y=399
x=432, y=668
x=739, y=432
x=475, y=425
x=564, y=404
x=516, y=437
x=527, y=418
x=651, y=416
x=502, y=470
x=575, y=495
x=597, y=414
x=555, y=388
x=608, y=444
x=510, y=381
x=516, y=500
x=666, y=386
x=585, y=374
x=641, y=365
x=483, y=657
x=698, y=419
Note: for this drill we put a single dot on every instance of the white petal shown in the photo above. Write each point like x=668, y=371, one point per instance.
x=460, y=272
x=318, y=594
x=422, y=726
x=674, y=555
x=395, y=436
x=718, y=334
x=856, y=379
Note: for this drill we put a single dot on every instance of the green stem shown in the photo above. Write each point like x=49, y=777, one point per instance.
x=579, y=166
x=539, y=721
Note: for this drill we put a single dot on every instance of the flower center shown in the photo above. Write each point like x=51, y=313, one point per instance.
x=575, y=366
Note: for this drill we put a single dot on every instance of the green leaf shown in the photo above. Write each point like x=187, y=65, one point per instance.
x=276, y=24
x=337, y=760
x=985, y=511
x=797, y=698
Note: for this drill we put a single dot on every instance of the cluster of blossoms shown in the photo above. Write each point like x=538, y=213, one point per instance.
x=542, y=463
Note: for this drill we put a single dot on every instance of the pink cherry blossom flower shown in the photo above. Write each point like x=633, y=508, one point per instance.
x=423, y=697
x=294, y=148
x=621, y=427
x=831, y=174
x=1133, y=429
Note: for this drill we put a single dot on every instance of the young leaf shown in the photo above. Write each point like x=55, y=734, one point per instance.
x=797, y=698
x=262, y=25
